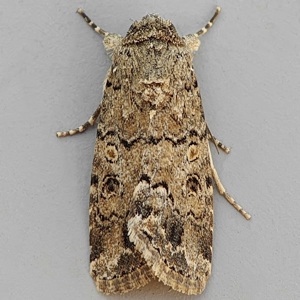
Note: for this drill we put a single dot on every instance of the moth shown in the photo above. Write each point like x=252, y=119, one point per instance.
x=151, y=194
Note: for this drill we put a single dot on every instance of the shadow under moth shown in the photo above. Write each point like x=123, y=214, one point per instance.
x=151, y=194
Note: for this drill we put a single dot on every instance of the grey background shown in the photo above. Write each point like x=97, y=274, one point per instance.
x=52, y=67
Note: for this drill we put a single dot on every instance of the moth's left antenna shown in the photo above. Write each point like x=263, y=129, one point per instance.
x=99, y=30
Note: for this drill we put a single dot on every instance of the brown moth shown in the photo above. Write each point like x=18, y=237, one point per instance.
x=151, y=196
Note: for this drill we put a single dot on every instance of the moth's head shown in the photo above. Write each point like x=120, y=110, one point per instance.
x=152, y=27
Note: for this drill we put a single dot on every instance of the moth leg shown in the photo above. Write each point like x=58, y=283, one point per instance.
x=219, y=144
x=204, y=29
x=96, y=28
x=223, y=192
x=216, y=142
x=81, y=128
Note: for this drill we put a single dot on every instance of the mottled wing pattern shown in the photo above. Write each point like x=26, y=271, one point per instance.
x=171, y=217
x=151, y=197
x=151, y=210
x=115, y=265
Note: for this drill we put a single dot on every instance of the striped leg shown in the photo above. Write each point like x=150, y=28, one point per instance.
x=210, y=23
x=223, y=192
x=81, y=128
x=216, y=142
x=91, y=23
x=220, y=145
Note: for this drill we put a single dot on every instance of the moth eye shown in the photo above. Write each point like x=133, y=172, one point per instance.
x=193, y=152
x=111, y=153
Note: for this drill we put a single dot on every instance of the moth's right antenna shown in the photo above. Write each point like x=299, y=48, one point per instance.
x=91, y=23
x=210, y=23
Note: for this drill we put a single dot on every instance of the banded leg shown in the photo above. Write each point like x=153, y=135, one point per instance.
x=204, y=29
x=223, y=192
x=83, y=127
x=91, y=23
x=216, y=142
x=219, y=144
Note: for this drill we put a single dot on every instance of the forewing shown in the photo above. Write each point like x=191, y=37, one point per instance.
x=171, y=219
x=115, y=264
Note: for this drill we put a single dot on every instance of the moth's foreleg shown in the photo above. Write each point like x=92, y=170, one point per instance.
x=219, y=144
x=216, y=142
x=96, y=28
x=81, y=128
x=223, y=192
x=204, y=29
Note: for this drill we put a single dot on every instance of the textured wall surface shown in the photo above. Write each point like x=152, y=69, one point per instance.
x=52, y=68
